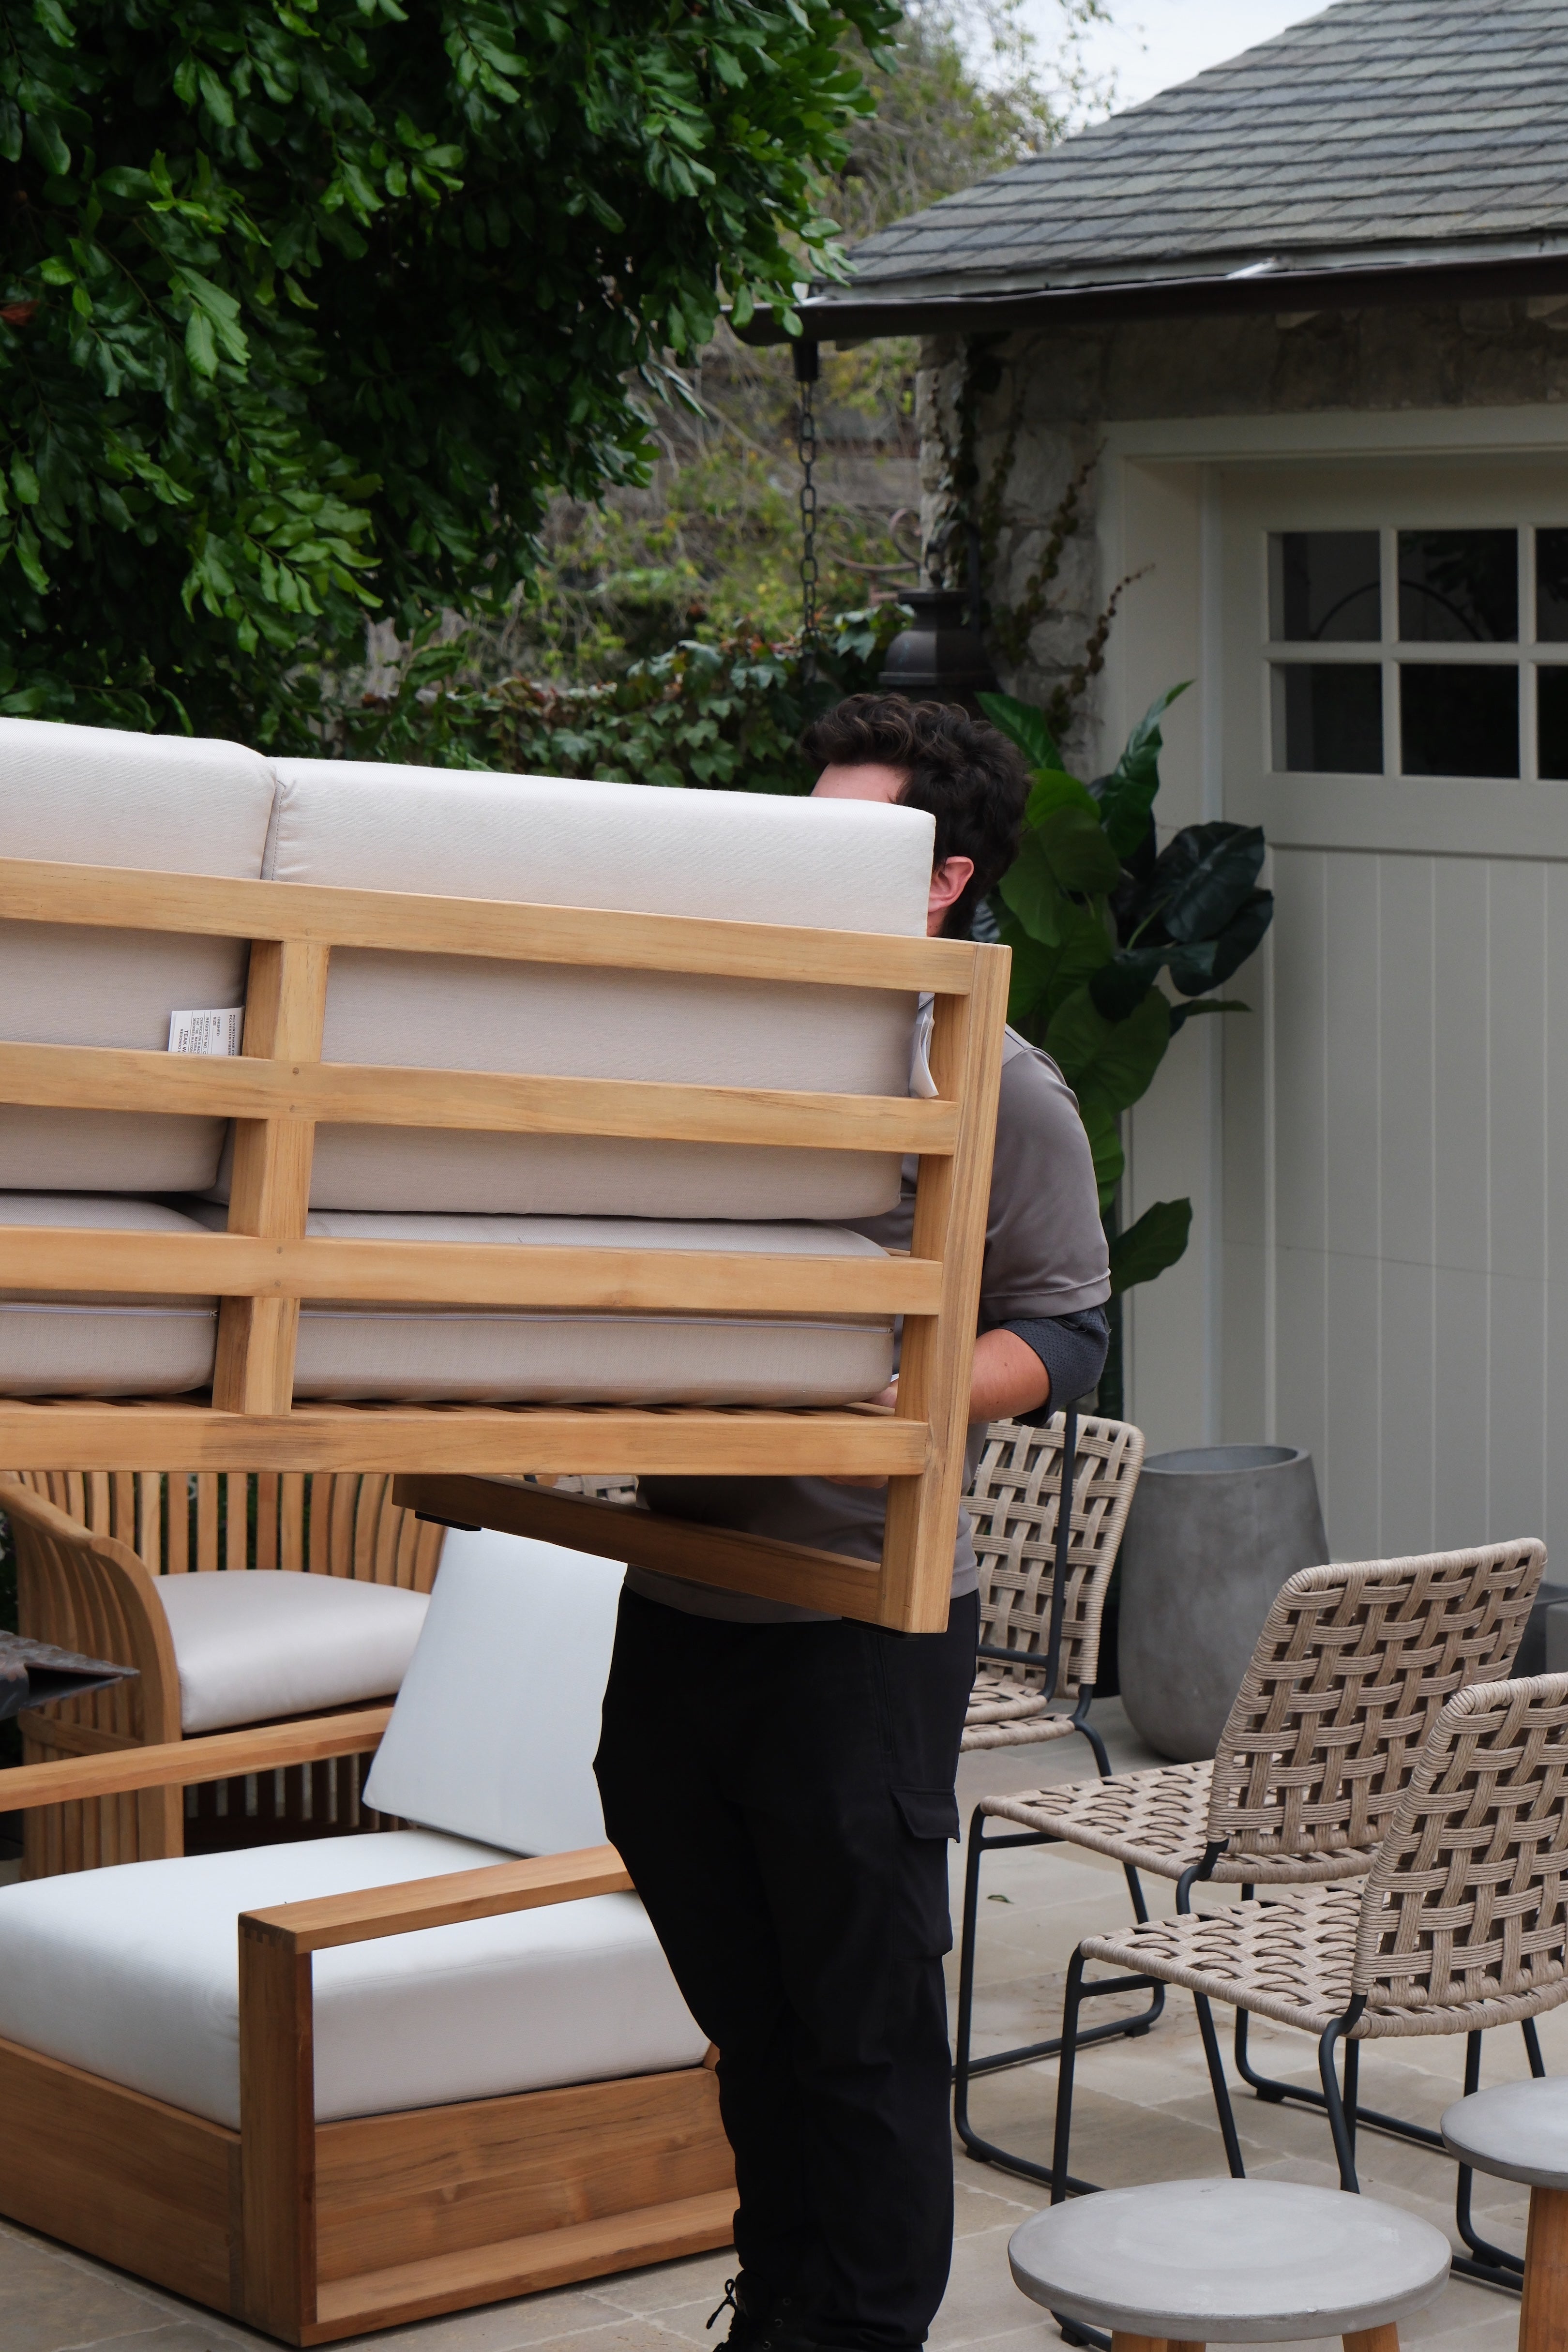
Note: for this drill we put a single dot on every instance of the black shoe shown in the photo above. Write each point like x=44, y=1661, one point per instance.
x=762, y=2321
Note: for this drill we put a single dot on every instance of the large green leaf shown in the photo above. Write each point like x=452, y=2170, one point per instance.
x=1031, y=889
x=1108, y=1063
x=1055, y=788
x=1243, y=933
x=1203, y=875
x=1043, y=977
x=1078, y=851
x=1026, y=725
x=1126, y=794
x=1148, y=1247
x=1119, y=986
x=1103, y=1129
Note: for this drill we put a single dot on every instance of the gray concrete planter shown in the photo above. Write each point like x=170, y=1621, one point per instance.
x=1213, y=1534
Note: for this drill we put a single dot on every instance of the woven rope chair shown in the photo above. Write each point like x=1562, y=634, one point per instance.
x=88, y=1547
x=1349, y=1674
x=1461, y=1925
x=1041, y=1601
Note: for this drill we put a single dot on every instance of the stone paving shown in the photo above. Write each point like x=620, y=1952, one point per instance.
x=1142, y=2113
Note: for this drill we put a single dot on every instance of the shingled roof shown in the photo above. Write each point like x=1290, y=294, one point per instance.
x=1381, y=136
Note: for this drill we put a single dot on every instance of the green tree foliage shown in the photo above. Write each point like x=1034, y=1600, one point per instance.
x=1095, y=911
x=305, y=304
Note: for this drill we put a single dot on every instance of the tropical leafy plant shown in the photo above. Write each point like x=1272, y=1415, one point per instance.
x=1095, y=913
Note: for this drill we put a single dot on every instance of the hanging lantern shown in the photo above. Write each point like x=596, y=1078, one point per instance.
x=939, y=657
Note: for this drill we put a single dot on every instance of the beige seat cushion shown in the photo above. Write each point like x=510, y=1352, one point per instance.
x=94, y=796
x=132, y=1973
x=255, y=1643
x=488, y=1355
x=100, y=1343
x=735, y=856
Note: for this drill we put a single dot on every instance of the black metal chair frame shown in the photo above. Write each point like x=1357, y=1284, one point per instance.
x=965, y=2067
x=1491, y=2264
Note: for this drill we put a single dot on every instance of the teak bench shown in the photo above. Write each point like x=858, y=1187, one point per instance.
x=263, y=1267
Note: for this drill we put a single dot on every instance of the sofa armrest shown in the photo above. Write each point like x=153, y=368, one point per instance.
x=184, y=1763
x=526, y=1885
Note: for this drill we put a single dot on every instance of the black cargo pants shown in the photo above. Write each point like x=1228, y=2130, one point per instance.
x=783, y=1796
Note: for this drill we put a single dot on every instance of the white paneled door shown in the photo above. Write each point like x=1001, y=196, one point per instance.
x=1392, y=678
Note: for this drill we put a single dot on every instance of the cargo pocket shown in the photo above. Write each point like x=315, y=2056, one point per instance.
x=930, y=1818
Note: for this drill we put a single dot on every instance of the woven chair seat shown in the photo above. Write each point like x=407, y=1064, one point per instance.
x=1292, y=1959
x=1159, y=1821
x=1002, y=1696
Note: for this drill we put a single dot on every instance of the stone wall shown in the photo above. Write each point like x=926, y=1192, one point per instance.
x=1063, y=387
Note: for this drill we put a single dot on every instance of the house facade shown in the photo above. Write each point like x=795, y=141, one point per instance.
x=1301, y=329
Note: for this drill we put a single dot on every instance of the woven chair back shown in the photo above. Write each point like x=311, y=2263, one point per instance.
x=1013, y=1505
x=1352, y=1669
x=329, y=1523
x=1465, y=1905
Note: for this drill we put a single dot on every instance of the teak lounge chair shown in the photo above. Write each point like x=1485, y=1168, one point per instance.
x=555, y=1107
x=492, y=2085
x=238, y=1600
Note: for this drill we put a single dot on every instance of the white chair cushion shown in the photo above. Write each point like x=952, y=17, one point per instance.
x=475, y=1354
x=100, y=1343
x=740, y=856
x=495, y=1728
x=96, y=795
x=255, y=1644
x=132, y=1973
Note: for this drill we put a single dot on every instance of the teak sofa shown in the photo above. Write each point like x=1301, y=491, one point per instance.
x=492, y=2085
x=556, y=1107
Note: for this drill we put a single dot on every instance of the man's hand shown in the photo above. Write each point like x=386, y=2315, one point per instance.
x=1008, y=1379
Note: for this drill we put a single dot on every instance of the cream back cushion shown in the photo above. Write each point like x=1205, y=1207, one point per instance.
x=495, y=1727
x=95, y=796
x=100, y=1343
x=736, y=857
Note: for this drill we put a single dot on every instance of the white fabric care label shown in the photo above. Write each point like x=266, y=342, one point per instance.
x=920, y=1079
x=207, y=1032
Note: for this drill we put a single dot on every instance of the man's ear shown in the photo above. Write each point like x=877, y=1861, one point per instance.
x=949, y=882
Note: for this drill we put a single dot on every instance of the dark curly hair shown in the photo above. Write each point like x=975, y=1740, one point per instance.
x=963, y=772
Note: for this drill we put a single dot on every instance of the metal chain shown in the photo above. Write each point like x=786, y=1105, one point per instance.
x=805, y=442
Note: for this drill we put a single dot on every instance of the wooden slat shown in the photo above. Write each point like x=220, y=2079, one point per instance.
x=494, y=2273
x=934, y=1365
x=686, y=1442
x=627, y=1281
x=122, y=2176
x=216, y=906
x=373, y=1912
x=277, y=2132
x=184, y=1763
x=285, y=1008
x=670, y=1547
x=396, y=2188
x=495, y=1102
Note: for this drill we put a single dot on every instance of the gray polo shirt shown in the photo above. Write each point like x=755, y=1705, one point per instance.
x=1044, y=1257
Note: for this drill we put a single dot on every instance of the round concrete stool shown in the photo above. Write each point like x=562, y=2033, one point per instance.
x=1519, y=2131
x=1184, y=2264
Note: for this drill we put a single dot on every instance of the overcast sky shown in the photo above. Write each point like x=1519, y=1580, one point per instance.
x=1152, y=43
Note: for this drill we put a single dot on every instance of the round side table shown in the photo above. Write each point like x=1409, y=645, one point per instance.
x=1520, y=2132
x=1185, y=2263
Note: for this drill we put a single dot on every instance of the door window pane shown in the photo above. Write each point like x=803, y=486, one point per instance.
x=1458, y=719
x=1551, y=588
x=1551, y=719
x=1324, y=587
x=1459, y=586
x=1328, y=719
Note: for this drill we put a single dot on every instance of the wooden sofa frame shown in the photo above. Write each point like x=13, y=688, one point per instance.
x=311, y=2232
x=90, y=1551
x=261, y=1268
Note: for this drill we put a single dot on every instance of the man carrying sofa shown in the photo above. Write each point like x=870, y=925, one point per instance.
x=780, y=1783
